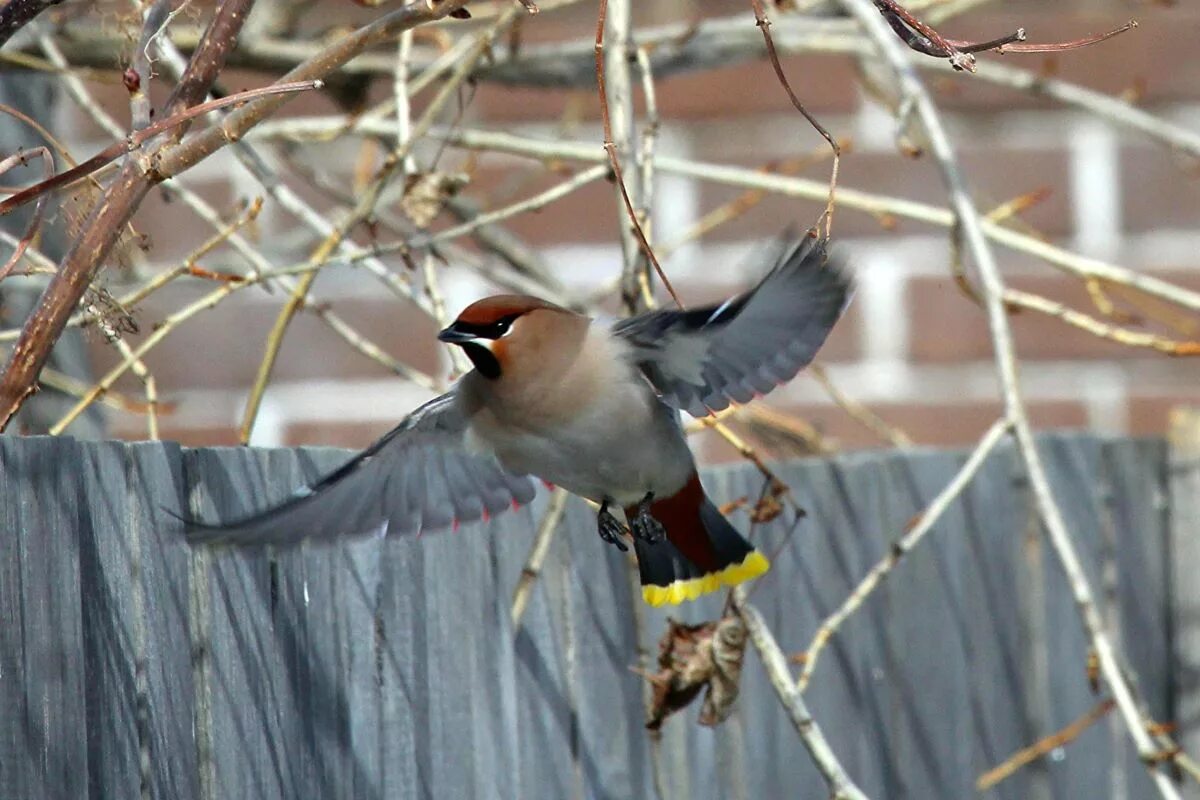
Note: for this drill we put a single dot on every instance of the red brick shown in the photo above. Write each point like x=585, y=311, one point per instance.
x=1149, y=53
x=222, y=347
x=1158, y=190
x=354, y=435
x=129, y=430
x=994, y=177
x=169, y=230
x=1151, y=415
x=692, y=95
x=587, y=215
x=947, y=327
x=929, y=424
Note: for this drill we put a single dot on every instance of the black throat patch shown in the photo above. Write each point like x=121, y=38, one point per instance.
x=483, y=359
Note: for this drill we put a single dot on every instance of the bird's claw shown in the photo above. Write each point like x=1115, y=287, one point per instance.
x=644, y=526
x=611, y=529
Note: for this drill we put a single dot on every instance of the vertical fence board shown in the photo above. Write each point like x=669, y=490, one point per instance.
x=871, y=673
x=460, y=637
x=611, y=738
x=17, y=766
x=1074, y=464
x=134, y=580
x=993, y=562
x=1184, y=555
x=309, y=704
x=154, y=476
x=1138, y=476
x=546, y=715
x=400, y=647
x=342, y=606
x=43, y=637
x=253, y=718
x=930, y=628
x=510, y=539
x=494, y=685
x=113, y=628
x=361, y=588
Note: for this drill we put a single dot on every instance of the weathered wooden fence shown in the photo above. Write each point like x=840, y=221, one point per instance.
x=131, y=665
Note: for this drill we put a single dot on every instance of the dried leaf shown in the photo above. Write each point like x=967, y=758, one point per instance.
x=766, y=510
x=693, y=658
x=425, y=196
x=728, y=651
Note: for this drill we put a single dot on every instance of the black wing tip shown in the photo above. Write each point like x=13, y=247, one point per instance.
x=198, y=533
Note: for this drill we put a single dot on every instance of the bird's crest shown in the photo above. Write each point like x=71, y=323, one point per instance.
x=493, y=309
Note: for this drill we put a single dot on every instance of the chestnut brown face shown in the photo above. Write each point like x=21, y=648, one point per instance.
x=487, y=321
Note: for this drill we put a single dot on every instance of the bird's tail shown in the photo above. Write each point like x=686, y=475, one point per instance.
x=701, y=553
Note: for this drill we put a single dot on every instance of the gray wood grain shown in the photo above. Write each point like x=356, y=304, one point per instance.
x=131, y=664
x=154, y=477
x=1138, y=492
x=45, y=702
x=994, y=573
x=1074, y=465
x=1184, y=549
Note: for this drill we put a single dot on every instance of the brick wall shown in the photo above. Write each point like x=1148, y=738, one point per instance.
x=912, y=347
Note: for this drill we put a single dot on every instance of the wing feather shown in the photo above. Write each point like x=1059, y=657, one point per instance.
x=419, y=477
x=702, y=359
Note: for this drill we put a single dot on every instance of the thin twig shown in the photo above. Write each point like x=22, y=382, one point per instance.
x=859, y=412
x=840, y=784
x=155, y=18
x=1099, y=328
x=901, y=547
x=868, y=202
x=1043, y=746
x=537, y=556
x=925, y=39
x=610, y=147
x=139, y=137
x=35, y=222
x=744, y=202
x=320, y=256
x=645, y=161
x=764, y=24
x=533, y=203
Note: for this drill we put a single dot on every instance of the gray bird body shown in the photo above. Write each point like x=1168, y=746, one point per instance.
x=591, y=409
x=561, y=424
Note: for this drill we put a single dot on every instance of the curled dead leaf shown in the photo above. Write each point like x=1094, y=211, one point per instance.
x=425, y=195
x=693, y=658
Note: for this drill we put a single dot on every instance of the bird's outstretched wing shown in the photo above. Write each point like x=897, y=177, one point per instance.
x=419, y=477
x=702, y=359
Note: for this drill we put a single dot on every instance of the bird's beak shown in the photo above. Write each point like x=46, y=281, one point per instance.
x=454, y=335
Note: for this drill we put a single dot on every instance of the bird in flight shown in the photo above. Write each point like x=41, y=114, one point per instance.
x=588, y=408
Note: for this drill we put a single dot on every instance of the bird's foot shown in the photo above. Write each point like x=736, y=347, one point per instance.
x=644, y=526
x=611, y=529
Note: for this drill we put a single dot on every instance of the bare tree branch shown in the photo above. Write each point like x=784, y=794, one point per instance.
x=16, y=14
x=840, y=784
x=125, y=195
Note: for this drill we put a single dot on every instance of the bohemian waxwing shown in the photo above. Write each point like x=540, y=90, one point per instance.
x=590, y=409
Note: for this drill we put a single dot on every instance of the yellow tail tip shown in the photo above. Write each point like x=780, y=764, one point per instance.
x=753, y=565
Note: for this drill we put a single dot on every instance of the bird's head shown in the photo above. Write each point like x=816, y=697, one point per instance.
x=486, y=328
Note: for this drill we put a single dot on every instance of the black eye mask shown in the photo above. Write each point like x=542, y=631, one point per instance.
x=488, y=330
